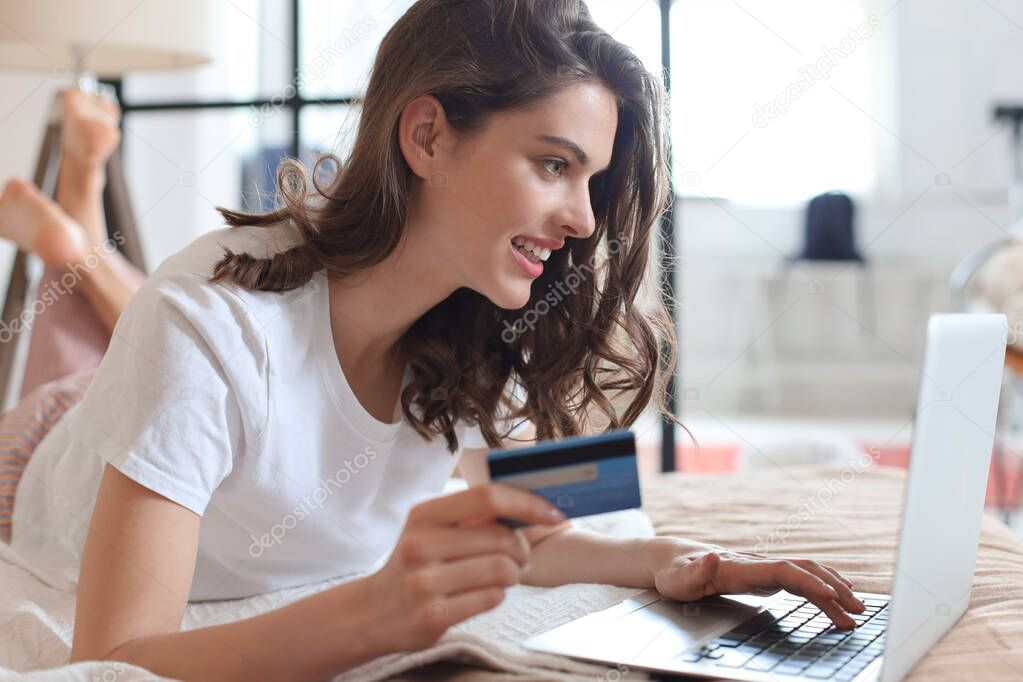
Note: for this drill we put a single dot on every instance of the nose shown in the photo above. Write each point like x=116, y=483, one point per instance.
x=579, y=219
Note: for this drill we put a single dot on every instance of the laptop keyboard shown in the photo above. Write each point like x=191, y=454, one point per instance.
x=794, y=637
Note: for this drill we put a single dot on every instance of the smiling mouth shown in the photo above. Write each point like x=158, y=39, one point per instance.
x=533, y=252
x=529, y=255
x=527, y=262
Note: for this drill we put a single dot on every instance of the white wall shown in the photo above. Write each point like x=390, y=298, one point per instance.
x=950, y=61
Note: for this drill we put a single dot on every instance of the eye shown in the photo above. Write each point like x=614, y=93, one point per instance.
x=562, y=163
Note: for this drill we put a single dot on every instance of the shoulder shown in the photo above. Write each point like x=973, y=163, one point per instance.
x=202, y=254
x=211, y=339
x=182, y=281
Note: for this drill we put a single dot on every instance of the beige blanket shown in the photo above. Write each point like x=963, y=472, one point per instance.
x=852, y=524
x=849, y=522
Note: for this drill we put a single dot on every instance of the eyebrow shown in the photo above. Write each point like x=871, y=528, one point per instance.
x=567, y=144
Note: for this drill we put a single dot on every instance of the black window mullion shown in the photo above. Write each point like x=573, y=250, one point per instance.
x=669, y=244
x=297, y=102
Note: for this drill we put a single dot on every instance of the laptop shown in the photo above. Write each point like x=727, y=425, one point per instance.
x=783, y=636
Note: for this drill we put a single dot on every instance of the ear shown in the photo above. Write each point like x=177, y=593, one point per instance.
x=424, y=135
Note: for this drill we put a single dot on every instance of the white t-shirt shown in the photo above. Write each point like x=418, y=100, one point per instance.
x=232, y=403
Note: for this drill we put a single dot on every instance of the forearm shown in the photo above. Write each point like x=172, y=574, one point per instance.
x=311, y=639
x=575, y=555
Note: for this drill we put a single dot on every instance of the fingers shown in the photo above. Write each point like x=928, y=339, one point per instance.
x=846, y=597
x=829, y=569
x=467, y=604
x=441, y=543
x=838, y=575
x=450, y=578
x=798, y=580
x=487, y=502
x=746, y=571
x=826, y=568
x=433, y=619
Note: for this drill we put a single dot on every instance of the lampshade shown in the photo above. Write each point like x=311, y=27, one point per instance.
x=107, y=38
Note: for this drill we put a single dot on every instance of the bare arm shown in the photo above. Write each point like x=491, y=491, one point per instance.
x=677, y=567
x=136, y=575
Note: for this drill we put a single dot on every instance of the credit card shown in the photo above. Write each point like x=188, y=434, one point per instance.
x=581, y=475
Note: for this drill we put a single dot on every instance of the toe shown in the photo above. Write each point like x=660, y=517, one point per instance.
x=17, y=188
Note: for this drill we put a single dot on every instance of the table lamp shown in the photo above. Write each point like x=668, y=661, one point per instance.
x=83, y=41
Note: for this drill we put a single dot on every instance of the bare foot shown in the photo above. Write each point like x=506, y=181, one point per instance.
x=36, y=224
x=89, y=132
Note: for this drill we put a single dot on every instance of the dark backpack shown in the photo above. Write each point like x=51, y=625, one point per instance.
x=829, y=229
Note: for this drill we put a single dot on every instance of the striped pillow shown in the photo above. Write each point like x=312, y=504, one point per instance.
x=23, y=427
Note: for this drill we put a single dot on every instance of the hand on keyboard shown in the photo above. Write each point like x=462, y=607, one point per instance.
x=690, y=574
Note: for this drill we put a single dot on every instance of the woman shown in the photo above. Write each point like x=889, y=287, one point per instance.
x=283, y=400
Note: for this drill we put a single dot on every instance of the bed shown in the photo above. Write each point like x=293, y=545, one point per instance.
x=856, y=532
x=854, y=528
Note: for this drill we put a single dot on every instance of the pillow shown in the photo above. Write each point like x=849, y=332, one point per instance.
x=24, y=427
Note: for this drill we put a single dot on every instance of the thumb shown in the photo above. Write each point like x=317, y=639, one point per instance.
x=692, y=579
x=706, y=569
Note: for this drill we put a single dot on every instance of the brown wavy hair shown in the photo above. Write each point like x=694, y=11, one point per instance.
x=599, y=350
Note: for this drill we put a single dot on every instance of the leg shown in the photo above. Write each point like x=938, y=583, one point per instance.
x=89, y=136
x=75, y=333
x=83, y=290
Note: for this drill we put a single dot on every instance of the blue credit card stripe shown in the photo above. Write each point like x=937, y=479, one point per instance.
x=616, y=487
x=561, y=453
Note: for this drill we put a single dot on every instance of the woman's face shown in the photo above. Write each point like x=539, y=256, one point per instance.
x=525, y=177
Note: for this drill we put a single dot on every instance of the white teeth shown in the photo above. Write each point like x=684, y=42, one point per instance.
x=529, y=255
x=541, y=252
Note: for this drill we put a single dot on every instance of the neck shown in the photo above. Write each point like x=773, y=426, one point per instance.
x=371, y=310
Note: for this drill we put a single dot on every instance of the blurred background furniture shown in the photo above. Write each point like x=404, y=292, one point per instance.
x=1007, y=472
x=829, y=250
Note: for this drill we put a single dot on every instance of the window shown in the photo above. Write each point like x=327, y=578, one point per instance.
x=770, y=98
x=213, y=136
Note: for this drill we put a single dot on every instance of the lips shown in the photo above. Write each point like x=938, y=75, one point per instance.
x=529, y=267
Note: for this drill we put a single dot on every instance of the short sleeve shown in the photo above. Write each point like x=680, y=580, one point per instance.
x=166, y=404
